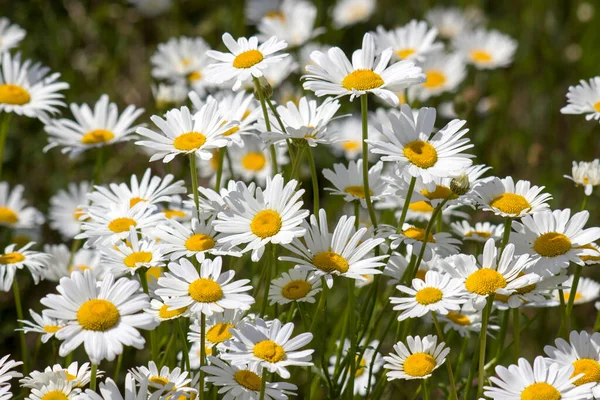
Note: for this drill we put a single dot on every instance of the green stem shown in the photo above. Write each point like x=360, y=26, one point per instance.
x=202, y=352
x=461, y=355
x=118, y=368
x=517, y=333
x=562, y=332
x=425, y=390
x=221, y=155
x=98, y=166
x=584, y=202
x=167, y=350
x=3, y=135
x=469, y=383
x=351, y=333
x=385, y=332
x=294, y=173
x=269, y=267
x=411, y=188
x=365, y=156
x=93, y=377
x=502, y=334
x=482, y=343
x=263, y=384
x=506, y=235
x=573, y=293
x=440, y=332
x=282, y=127
x=263, y=104
x=19, y=307
x=186, y=354
x=315, y=183
x=194, y=176
x=597, y=322
x=153, y=341
x=321, y=307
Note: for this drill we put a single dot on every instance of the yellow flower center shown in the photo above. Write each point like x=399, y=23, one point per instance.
x=552, y=244
x=419, y=364
x=404, y=53
x=153, y=273
x=421, y=154
x=51, y=328
x=194, y=76
x=159, y=380
x=540, y=391
x=590, y=257
x=275, y=14
x=8, y=216
x=481, y=56
x=121, y=224
x=97, y=136
x=219, y=333
x=362, y=79
x=421, y=274
x=360, y=367
x=55, y=395
x=296, y=289
x=357, y=191
x=14, y=94
x=351, y=145
x=231, y=131
x=189, y=141
x=418, y=234
x=266, y=223
x=254, y=161
x=328, y=261
x=134, y=200
x=440, y=193
x=247, y=59
x=481, y=234
x=511, y=203
x=589, y=367
x=597, y=107
x=173, y=213
x=199, y=242
x=70, y=377
x=458, y=318
x=165, y=313
x=78, y=213
x=98, y=315
x=269, y=351
x=137, y=257
x=248, y=379
x=79, y=268
x=428, y=295
x=11, y=258
x=485, y=281
x=566, y=295
x=420, y=206
x=435, y=79
x=205, y=290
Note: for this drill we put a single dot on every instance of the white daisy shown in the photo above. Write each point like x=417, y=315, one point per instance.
x=256, y=10
x=349, y=133
x=6, y=375
x=256, y=219
x=218, y=328
x=10, y=35
x=350, y=12
x=252, y=161
x=77, y=376
x=586, y=174
x=442, y=243
x=159, y=379
x=363, y=372
x=13, y=258
x=418, y=360
x=588, y=290
x=103, y=317
x=194, y=355
x=480, y=232
x=584, y=99
x=14, y=211
x=42, y=324
x=348, y=181
x=451, y=21
x=27, y=89
x=163, y=312
x=294, y=24
x=335, y=75
x=466, y=321
x=109, y=390
x=268, y=345
x=594, y=258
x=486, y=49
x=66, y=209
x=58, y=265
x=90, y=129
x=132, y=254
x=55, y=389
x=245, y=59
x=206, y=292
x=445, y=72
x=294, y=285
x=413, y=41
x=536, y=293
x=178, y=209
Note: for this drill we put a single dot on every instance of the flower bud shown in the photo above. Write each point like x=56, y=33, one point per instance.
x=265, y=87
x=460, y=185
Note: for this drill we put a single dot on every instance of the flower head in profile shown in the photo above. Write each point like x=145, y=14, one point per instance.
x=586, y=174
x=414, y=41
x=128, y=256
x=480, y=232
x=453, y=21
x=445, y=72
x=584, y=99
x=6, y=375
x=163, y=378
x=42, y=324
x=417, y=359
x=441, y=243
x=218, y=328
x=486, y=49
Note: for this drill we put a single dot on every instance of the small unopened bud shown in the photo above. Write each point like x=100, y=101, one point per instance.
x=265, y=87
x=460, y=185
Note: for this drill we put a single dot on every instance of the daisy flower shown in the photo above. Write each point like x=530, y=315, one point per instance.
x=244, y=382
x=5, y=370
x=350, y=12
x=268, y=345
x=413, y=41
x=42, y=324
x=554, y=239
x=74, y=374
x=13, y=258
x=542, y=381
x=276, y=74
x=584, y=99
x=349, y=134
x=14, y=212
x=588, y=290
x=252, y=161
x=110, y=391
x=160, y=379
x=103, y=316
x=466, y=321
x=10, y=35
x=363, y=367
x=486, y=49
x=218, y=328
x=61, y=263
x=586, y=174
x=206, y=292
x=184, y=133
x=295, y=23
x=66, y=209
x=445, y=72
x=163, y=312
x=55, y=389
x=333, y=74
x=294, y=285
x=504, y=198
x=91, y=129
x=439, y=293
x=345, y=252
x=256, y=219
x=348, y=181
x=27, y=89
x=178, y=209
x=537, y=293
x=411, y=144
x=594, y=258
x=418, y=360
x=246, y=59
x=442, y=243
x=451, y=21
x=480, y=232
x=128, y=256
x=503, y=276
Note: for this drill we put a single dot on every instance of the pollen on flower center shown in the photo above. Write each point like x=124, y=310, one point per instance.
x=357, y=191
x=266, y=223
x=78, y=213
x=360, y=366
x=173, y=213
x=597, y=107
x=458, y=318
x=481, y=56
x=153, y=273
x=421, y=154
x=481, y=234
x=269, y=351
x=11, y=258
x=485, y=281
x=418, y=234
x=231, y=131
x=189, y=141
x=165, y=313
x=98, y=315
x=247, y=59
x=199, y=242
x=121, y=224
x=205, y=290
x=511, y=203
x=248, y=379
x=421, y=274
x=97, y=136
x=14, y=94
x=159, y=380
x=8, y=216
x=134, y=200
x=404, y=53
x=254, y=161
x=589, y=367
x=52, y=328
x=420, y=206
x=429, y=295
x=219, y=333
x=194, y=76
x=552, y=244
x=137, y=257
x=362, y=79
x=328, y=261
x=296, y=289
x=589, y=257
x=419, y=364
x=439, y=193
x=351, y=145
x=435, y=79
x=540, y=391
x=55, y=395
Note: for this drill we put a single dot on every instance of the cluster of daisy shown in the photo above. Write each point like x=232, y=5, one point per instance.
x=224, y=283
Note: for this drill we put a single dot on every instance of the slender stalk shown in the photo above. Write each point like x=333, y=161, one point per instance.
x=153, y=340
x=263, y=384
x=461, y=355
x=315, y=183
x=562, y=332
x=322, y=306
x=118, y=367
x=573, y=292
x=202, y=352
x=482, y=343
x=365, y=156
x=385, y=332
x=186, y=354
x=194, y=176
x=506, y=235
x=411, y=188
x=221, y=155
x=425, y=390
x=269, y=267
x=19, y=307
x=93, y=377
x=282, y=127
x=440, y=332
x=517, y=333
x=263, y=104
x=294, y=172
x=584, y=202
x=469, y=383
x=3, y=134
x=597, y=323
x=502, y=335
x=351, y=333
x=98, y=166
x=167, y=349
